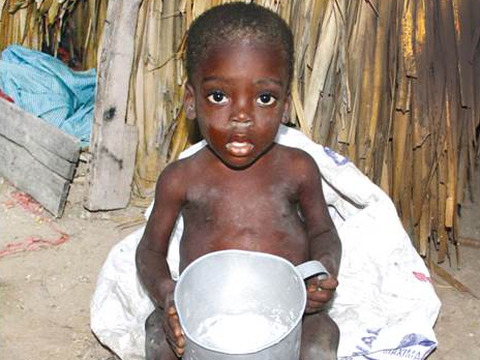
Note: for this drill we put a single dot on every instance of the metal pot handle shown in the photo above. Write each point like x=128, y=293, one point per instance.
x=313, y=267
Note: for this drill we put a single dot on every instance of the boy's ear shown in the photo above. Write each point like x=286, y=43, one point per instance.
x=189, y=102
x=286, y=110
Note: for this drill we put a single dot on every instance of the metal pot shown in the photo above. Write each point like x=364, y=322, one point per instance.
x=236, y=304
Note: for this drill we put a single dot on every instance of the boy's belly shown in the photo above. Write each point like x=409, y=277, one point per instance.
x=289, y=243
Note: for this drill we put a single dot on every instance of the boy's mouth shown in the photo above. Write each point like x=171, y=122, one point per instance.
x=239, y=148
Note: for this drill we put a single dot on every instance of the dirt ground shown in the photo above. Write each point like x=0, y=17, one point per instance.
x=48, y=276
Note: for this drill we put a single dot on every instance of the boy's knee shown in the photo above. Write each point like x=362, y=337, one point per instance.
x=320, y=337
x=155, y=341
x=153, y=319
x=331, y=328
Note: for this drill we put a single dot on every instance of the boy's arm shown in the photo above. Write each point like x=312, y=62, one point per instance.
x=324, y=243
x=151, y=255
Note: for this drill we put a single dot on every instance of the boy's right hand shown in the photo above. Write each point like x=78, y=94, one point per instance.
x=319, y=293
x=172, y=328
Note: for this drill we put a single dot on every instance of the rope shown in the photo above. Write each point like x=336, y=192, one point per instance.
x=31, y=243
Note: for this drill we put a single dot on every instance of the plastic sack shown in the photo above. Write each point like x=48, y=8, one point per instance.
x=385, y=305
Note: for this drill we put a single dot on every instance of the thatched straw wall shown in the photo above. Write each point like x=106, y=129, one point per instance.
x=46, y=25
x=393, y=85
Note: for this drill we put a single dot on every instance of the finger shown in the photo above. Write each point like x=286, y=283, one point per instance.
x=173, y=331
x=312, y=286
x=176, y=328
x=315, y=304
x=177, y=343
x=171, y=310
x=330, y=283
x=315, y=283
x=171, y=338
x=180, y=346
x=174, y=324
x=181, y=341
x=177, y=350
x=322, y=296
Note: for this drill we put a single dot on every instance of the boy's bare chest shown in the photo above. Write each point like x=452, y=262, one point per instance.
x=232, y=197
x=260, y=215
x=254, y=209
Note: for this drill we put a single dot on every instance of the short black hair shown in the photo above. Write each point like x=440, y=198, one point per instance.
x=235, y=21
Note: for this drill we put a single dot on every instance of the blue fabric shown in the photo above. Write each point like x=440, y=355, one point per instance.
x=47, y=88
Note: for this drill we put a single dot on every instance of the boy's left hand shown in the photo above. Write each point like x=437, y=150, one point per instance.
x=319, y=293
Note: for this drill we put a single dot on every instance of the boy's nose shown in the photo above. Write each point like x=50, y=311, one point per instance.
x=241, y=116
x=241, y=120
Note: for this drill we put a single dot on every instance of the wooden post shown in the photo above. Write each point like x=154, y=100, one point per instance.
x=113, y=142
x=36, y=157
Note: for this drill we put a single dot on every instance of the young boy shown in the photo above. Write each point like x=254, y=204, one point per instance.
x=242, y=191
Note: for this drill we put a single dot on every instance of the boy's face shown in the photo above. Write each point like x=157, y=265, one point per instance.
x=239, y=95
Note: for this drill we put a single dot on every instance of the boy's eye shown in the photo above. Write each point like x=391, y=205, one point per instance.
x=266, y=99
x=217, y=97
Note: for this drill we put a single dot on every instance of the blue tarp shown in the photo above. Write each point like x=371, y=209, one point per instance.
x=47, y=88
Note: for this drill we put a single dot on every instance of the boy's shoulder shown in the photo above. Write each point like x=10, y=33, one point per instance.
x=296, y=155
x=183, y=166
x=297, y=163
x=176, y=177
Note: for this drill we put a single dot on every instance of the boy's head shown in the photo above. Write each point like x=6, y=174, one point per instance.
x=236, y=22
x=240, y=64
